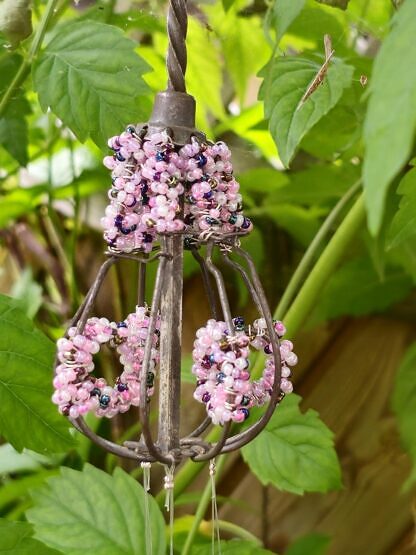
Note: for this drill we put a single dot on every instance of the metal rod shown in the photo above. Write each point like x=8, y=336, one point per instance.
x=207, y=283
x=170, y=346
x=222, y=293
x=246, y=279
x=144, y=405
x=177, y=56
x=141, y=285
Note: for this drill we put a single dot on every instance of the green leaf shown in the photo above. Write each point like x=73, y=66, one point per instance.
x=286, y=81
x=90, y=76
x=13, y=125
x=227, y=4
x=244, y=47
x=28, y=293
x=404, y=405
x=403, y=226
x=204, y=75
x=390, y=122
x=95, y=511
x=301, y=223
x=15, y=538
x=26, y=362
x=233, y=547
x=18, y=490
x=283, y=13
x=313, y=544
x=12, y=462
x=357, y=289
x=295, y=452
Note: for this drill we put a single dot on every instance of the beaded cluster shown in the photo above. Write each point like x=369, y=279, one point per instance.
x=78, y=392
x=221, y=365
x=150, y=178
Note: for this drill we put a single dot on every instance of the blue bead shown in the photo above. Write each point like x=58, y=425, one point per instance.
x=220, y=377
x=246, y=413
x=104, y=400
x=201, y=160
x=95, y=392
x=120, y=158
x=121, y=325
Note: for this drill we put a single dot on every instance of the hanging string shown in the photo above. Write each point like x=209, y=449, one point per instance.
x=169, y=500
x=146, y=466
x=215, y=538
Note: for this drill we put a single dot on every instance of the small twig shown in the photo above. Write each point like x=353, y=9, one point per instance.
x=320, y=76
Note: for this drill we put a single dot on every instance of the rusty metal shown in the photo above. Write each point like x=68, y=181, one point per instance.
x=174, y=111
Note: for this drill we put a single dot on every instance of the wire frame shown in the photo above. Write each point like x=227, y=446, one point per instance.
x=194, y=445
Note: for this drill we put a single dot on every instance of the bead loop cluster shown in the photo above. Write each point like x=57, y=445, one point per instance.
x=78, y=392
x=221, y=365
x=151, y=179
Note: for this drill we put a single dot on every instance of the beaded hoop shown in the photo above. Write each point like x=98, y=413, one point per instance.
x=78, y=392
x=221, y=364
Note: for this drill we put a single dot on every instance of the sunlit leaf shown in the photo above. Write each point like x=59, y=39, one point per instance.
x=286, y=81
x=95, y=94
x=391, y=118
x=283, y=12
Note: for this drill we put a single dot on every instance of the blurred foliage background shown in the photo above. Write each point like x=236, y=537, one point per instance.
x=302, y=170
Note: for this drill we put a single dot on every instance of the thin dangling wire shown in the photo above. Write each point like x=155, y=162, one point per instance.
x=215, y=538
x=170, y=501
x=146, y=466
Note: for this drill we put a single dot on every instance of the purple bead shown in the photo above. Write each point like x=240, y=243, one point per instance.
x=246, y=223
x=206, y=397
x=122, y=387
x=246, y=413
x=147, y=238
x=268, y=350
x=206, y=363
x=201, y=382
x=156, y=176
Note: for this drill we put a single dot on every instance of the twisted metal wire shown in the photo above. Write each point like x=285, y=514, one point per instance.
x=177, y=56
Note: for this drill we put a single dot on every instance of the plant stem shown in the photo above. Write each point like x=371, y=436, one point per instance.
x=201, y=509
x=324, y=267
x=238, y=532
x=307, y=259
x=24, y=68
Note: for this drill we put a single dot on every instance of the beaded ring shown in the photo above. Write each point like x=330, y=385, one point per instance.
x=78, y=392
x=221, y=365
x=150, y=173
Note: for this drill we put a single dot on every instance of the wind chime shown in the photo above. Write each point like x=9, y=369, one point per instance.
x=172, y=189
